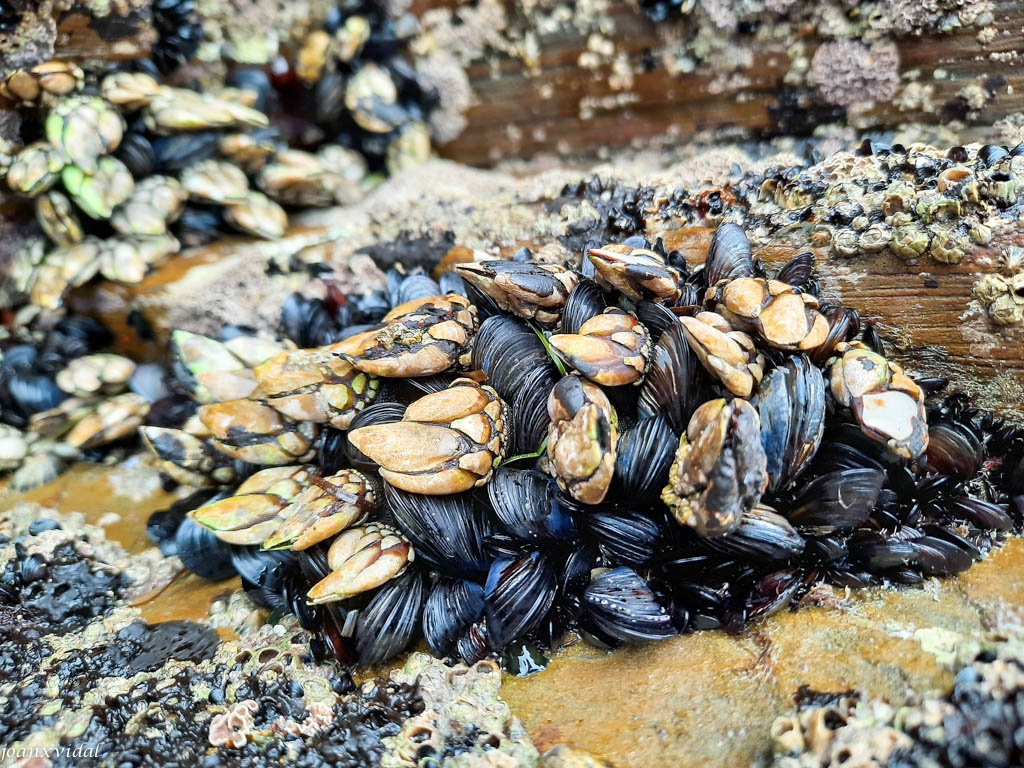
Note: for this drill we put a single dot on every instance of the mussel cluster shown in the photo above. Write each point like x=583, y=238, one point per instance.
x=64, y=397
x=622, y=446
x=353, y=83
x=124, y=169
x=122, y=174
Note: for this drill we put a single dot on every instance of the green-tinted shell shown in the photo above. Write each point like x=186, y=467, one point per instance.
x=85, y=128
x=100, y=193
x=34, y=169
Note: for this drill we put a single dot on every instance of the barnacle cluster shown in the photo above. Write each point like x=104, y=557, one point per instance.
x=79, y=668
x=976, y=724
x=1002, y=296
x=915, y=202
x=619, y=445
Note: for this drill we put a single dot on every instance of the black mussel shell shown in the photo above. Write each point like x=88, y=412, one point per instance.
x=33, y=392
x=162, y=526
x=677, y=567
x=791, y=405
x=952, y=537
x=843, y=325
x=703, y=606
x=50, y=362
x=372, y=307
x=520, y=370
x=774, y=592
x=474, y=644
x=672, y=387
x=262, y=573
x=527, y=504
x=447, y=532
x=255, y=80
x=389, y=622
x=1010, y=474
x=927, y=490
x=507, y=350
x=176, y=153
x=691, y=294
x=551, y=631
x=452, y=606
x=639, y=241
x=878, y=552
x=954, y=449
x=990, y=154
x=313, y=563
x=978, y=512
x=836, y=455
x=328, y=99
x=797, y=271
x=729, y=255
x=825, y=549
x=890, y=512
x=575, y=572
x=517, y=594
x=870, y=147
x=529, y=410
x=1016, y=507
x=624, y=536
x=450, y=282
x=850, y=434
x=170, y=411
x=294, y=587
x=412, y=87
x=835, y=501
x=202, y=552
x=308, y=322
x=620, y=606
x=909, y=551
x=402, y=288
x=329, y=642
x=331, y=454
x=19, y=357
x=199, y=225
x=873, y=339
x=180, y=35
x=169, y=15
x=431, y=384
x=137, y=154
x=762, y=534
x=655, y=318
x=643, y=456
x=932, y=385
x=586, y=300
x=486, y=307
